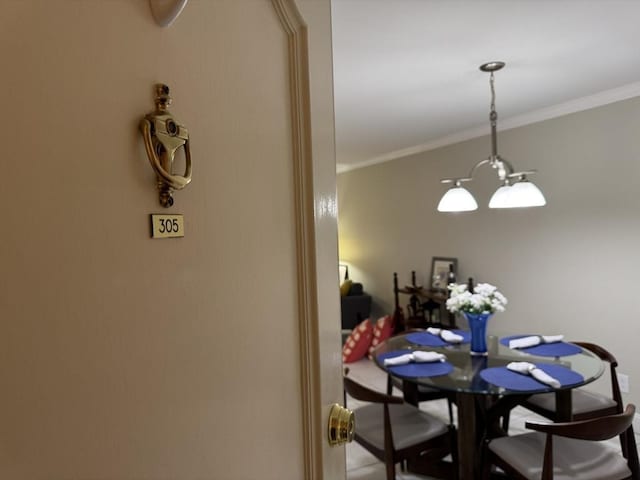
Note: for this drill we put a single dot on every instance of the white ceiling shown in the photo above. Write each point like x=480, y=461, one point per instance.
x=407, y=78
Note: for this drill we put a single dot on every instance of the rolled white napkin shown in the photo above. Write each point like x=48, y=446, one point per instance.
x=449, y=336
x=446, y=335
x=533, y=340
x=527, y=368
x=416, y=357
x=400, y=360
x=422, y=357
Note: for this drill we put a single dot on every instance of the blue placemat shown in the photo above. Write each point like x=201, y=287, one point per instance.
x=426, y=369
x=556, y=349
x=428, y=340
x=503, y=377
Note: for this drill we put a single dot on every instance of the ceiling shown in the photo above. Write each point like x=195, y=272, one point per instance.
x=407, y=78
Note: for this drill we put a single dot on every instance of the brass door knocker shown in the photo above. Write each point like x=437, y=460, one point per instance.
x=163, y=135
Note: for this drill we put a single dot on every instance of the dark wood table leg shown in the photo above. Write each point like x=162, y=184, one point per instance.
x=478, y=420
x=497, y=410
x=410, y=392
x=468, y=451
x=563, y=406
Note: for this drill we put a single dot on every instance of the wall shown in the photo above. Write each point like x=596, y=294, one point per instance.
x=571, y=267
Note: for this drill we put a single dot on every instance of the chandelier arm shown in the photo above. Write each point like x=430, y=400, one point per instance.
x=509, y=173
x=456, y=181
x=486, y=161
x=522, y=175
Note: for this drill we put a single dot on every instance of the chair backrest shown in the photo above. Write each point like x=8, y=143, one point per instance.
x=603, y=353
x=596, y=429
x=360, y=392
x=607, y=356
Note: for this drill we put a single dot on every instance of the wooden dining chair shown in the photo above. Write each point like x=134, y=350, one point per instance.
x=415, y=394
x=569, y=450
x=585, y=404
x=395, y=432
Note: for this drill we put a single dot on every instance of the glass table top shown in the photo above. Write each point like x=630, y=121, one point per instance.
x=465, y=374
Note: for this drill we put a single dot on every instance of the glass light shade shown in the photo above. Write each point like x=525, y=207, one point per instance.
x=526, y=194
x=457, y=199
x=500, y=199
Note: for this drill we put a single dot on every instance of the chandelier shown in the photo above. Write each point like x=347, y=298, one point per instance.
x=515, y=190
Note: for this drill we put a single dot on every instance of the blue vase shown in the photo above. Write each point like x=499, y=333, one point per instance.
x=478, y=327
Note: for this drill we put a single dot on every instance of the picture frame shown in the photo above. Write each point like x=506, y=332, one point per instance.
x=439, y=278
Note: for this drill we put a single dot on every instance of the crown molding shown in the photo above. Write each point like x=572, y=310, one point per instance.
x=572, y=106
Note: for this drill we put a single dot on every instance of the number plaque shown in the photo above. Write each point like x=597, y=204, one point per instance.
x=167, y=226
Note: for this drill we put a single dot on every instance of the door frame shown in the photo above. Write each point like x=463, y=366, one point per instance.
x=318, y=378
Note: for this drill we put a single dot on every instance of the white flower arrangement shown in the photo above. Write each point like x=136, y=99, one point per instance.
x=485, y=298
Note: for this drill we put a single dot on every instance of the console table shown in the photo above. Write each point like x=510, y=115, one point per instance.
x=426, y=308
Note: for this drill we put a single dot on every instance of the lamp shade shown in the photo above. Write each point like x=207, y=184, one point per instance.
x=500, y=199
x=457, y=199
x=526, y=194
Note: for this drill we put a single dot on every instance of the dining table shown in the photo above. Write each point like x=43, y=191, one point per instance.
x=483, y=389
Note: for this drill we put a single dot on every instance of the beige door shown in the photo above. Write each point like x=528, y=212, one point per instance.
x=213, y=356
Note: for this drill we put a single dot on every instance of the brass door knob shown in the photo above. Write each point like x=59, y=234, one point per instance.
x=342, y=425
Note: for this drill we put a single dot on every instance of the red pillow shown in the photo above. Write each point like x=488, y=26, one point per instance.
x=381, y=331
x=358, y=342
